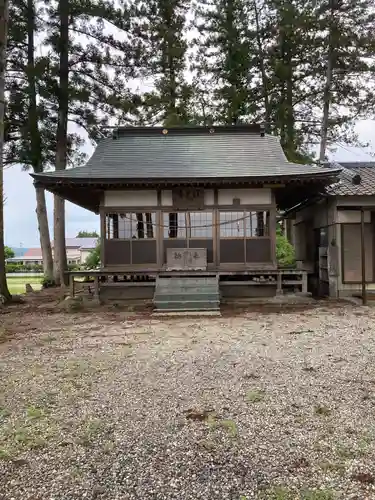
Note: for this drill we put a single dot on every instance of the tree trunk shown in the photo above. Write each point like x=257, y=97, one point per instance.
x=36, y=146
x=45, y=241
x=60, y=263
x=265, y=79
x=4, y=291
x=327, y=88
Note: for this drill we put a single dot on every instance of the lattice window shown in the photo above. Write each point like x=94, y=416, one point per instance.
x=174, y=225
x=188, y=225
x=200, y=225
x=127, y=226
x=257, y=224
x=244, y=224
x=232, y=225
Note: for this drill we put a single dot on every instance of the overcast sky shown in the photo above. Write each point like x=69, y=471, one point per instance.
x=21, y=227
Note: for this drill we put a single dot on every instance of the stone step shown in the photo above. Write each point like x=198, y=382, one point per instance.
x=186, y=282
x=186, y=312
x=186, y=290
x=187, y=294
x=197, y=305
x=165, y=297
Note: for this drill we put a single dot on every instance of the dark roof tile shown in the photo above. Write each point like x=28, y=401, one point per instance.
x=346, y=187
x=188, y=154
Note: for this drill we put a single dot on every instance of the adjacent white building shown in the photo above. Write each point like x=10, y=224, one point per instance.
x=77, y=251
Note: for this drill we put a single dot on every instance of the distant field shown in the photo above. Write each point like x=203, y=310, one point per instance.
x=17, y=284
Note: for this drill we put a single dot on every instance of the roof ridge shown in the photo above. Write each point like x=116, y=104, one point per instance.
x=254, y=128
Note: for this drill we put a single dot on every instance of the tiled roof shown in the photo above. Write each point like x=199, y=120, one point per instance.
x=33, y=252
x=346, y=186
x=19, y=251
x=186, y=153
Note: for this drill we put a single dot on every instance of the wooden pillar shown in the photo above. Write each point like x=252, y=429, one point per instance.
x=102, y=238
x=279, y=287
x=304, y=282
x=71, y=285
x=363, y=258
x=216, y=230
x=272, y=234
x=96, y=287
x=159, y=231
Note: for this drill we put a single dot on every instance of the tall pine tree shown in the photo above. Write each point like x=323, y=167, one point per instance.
x=223, y=56
x=161, y=29
x=84, y=83
x=4, y=13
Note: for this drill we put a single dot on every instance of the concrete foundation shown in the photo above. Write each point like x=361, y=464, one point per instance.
x=127, y=291
x=230, y=290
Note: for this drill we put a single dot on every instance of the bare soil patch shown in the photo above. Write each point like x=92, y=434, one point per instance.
x=115, y=404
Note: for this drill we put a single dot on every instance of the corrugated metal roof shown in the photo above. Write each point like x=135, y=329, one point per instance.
x=193, y=153
x=86, y=243
x=81, y=242
x=346, y=187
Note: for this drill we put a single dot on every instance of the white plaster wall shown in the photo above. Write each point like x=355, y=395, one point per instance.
x=261, y=196
x=166, y=198
x=356, y=201
x=352, y=216
x=145, y=198
x=83, y=255
x=209, y=197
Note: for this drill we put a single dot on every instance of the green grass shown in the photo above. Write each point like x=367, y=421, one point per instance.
x=16, y=284
x=255, y=396
x=280, y=493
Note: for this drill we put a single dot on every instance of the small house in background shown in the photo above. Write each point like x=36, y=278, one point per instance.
x=77, y=251
x=190, y=202
x=31, y=256
x=328, y=230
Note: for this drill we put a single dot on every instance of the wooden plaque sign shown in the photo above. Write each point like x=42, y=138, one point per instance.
x=188, y=198
x=186, y=259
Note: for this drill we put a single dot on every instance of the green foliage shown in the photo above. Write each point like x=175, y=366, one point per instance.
x=258, y=60
x=23, y=268
x=48, y=282
x=8, y=253
x=266, y=61
x=223, y=29
x=161, y=32
x=285, y=253
x=95, y=95
x=74, y=267
x=255, y=396
x=93, y=259
x=87, y=234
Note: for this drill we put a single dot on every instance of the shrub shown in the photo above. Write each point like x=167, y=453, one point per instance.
x=48, y=282
x=23, y=268
x=74, y=267
x=34, y=268
x=13, y=268
x=285, y=253
x=93, y=259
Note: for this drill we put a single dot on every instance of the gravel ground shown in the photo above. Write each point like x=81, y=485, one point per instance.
x=258, y=405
